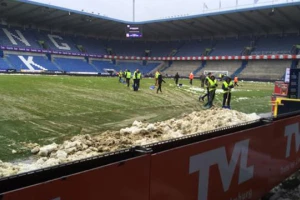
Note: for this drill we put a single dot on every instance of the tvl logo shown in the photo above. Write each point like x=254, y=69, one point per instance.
x=202, y=162
x=291, y=130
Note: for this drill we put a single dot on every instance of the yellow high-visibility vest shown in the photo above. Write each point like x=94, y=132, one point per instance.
x=212, y=84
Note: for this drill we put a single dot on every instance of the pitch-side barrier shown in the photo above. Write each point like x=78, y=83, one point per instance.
x=239, y=162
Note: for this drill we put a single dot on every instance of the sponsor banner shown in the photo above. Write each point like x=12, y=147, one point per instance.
x=285, y=149
x=48, y=51
x=127, y=180
x=33, y=71
x=52, y=72
x=230, y=167
x=251, y=57
x=259, y=57
x=82, y=72
x=11, y=70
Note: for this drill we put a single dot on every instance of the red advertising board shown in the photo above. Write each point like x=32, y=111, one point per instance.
x=280, y=88
x=234, y=166
x=128, y=180
x=285, y=149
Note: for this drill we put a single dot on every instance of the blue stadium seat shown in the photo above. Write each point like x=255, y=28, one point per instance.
x=101, y=65
x=74, y=65
x=3, y=64
x=194, y=48
x=275, y=44
x=230, y=47
x=91, y=45
x=57, y=42
x=29, y=42
x=39, y=62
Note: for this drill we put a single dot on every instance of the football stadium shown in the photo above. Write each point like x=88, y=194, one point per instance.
x=197, y=106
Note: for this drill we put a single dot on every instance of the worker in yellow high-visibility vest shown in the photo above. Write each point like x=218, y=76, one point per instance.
x=136, y=79
x=157, y=73
x=212, y=86
x=120, y=75
x=128, y=77
x=227, y=86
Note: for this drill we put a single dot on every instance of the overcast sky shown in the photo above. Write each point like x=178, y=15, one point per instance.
x=154, y=9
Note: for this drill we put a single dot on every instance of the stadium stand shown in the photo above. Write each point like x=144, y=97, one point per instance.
x=3, y=64
x=230, y=47
x=30, y=62
x=132, y=66
x=275, y=44
x=179, y=38
x=18, y=37
x=126, y=48
x=230, y=66
x=265, y=69
x=194, y=48
x=55, y=41
x=102, y=65
x=90, y=45
x=74, y=64
x=43, y=61
x=184, y=68
x=165, y=48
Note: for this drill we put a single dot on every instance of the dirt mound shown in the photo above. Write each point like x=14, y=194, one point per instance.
x=140, y=133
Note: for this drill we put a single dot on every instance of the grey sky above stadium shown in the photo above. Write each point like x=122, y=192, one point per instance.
x=156, y=9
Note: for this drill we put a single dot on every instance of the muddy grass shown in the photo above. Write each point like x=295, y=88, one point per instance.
x=45, y=109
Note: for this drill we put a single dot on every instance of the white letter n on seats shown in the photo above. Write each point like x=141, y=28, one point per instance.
x=19, y=37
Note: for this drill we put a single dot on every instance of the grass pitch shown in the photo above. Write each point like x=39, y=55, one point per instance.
x=46, y=109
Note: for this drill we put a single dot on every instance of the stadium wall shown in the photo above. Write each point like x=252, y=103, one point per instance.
x=237, y=165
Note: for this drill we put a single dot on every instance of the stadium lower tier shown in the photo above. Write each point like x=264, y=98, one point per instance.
x=41, y=62
x=253, y=69
x=250, y=70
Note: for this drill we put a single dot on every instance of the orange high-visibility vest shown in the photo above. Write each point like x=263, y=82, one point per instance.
x=191, y=76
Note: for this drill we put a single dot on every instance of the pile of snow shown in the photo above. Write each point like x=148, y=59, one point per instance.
x=243, y=98
x=140, y=133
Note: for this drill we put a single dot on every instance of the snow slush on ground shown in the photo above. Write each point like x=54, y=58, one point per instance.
x=140, y=133
x=289, y=189
x=196, y=90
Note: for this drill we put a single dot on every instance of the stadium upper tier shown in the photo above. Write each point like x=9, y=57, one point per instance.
x=29, y=38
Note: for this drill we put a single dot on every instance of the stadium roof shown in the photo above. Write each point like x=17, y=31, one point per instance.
x=262, y=20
